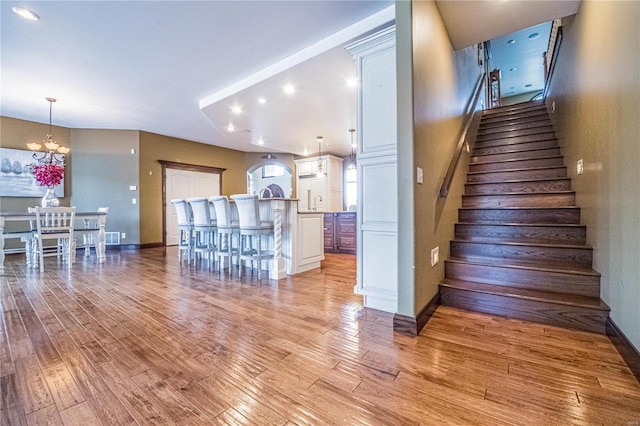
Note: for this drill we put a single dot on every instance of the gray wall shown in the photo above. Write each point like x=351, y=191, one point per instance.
x=103, y=170
x=596, y=92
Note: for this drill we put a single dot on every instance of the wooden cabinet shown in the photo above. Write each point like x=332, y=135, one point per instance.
x=319, y=193
x=340, y=232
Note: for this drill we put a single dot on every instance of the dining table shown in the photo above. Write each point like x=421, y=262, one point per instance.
x=92, y=221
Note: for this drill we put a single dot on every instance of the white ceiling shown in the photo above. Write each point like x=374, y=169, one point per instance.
x=153, y=65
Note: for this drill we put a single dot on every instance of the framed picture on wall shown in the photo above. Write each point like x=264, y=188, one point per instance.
x=16, y=179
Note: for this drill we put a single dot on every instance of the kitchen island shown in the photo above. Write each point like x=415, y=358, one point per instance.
x=298, y=241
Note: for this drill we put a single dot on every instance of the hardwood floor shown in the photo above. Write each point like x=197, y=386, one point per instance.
x=142, y=340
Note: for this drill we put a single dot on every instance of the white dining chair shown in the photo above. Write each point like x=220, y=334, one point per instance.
x=205, y=233
x=54, y=223
x=227, y=230
x=252, y=229
x=185, y=229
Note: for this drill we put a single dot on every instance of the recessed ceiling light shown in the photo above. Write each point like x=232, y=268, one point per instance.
x=528, y=85
x=236, y=109
x=512, y=41
x=289, y=88
x=25, y=13
x=534, y=36
x=305, y=152
x=513, y=69
x=231, y=127
x=262, y=100
x=260, y=141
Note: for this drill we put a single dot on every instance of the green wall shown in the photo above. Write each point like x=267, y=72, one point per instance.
x=596, y=92
x=103, y=170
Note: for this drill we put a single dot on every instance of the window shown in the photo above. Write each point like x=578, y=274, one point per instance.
x=272, y=170
x=351, y=188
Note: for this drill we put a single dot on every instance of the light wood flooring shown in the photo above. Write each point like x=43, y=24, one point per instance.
x=142, y=340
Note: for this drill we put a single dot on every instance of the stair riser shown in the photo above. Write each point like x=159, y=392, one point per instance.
x=526, y=117
x=562, y=256
x=519, y=200
x=516, y=147
x=509, y=141
x=517, y=164
x=542, y=312
x=569, y=216
x=510, y=187
x=522, y=233
x=519, y=155
x=504, y=112
x=485, y=130
x=515, y=133
x=548, y=173
x=532, y=279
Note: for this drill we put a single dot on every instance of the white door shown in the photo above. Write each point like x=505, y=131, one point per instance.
x=186, y=184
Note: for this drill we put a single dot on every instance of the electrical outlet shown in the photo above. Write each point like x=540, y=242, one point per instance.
x=435, y=256
x=580, y=167
x=553, y=106
x=133, y=188
x=123, y=235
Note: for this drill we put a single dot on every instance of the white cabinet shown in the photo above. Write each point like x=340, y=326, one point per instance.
x=319, y=192
x=377, y=219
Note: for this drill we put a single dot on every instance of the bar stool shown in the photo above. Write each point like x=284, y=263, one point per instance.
x=204, y=239
x=252, y=229
x=185, y=229
x=227, y=228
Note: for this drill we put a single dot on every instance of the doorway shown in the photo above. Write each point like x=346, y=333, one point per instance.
x=185, y=181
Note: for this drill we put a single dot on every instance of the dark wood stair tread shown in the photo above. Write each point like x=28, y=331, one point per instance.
x=559, y=225
x=511, y=160
x=519, y=180
x=518, y=264
x=527, y=294
x=515, y=151
x=521, y=243
x=515, y=170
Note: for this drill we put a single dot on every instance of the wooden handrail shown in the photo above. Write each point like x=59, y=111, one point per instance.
x=446, y=182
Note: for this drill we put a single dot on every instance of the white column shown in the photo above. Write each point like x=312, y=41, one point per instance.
x=277, y=270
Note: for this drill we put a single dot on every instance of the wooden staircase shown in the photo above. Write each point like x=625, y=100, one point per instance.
x=519, y=249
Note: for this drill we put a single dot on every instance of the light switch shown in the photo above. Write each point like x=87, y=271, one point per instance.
x=133, y=151
x=435, y=256
x=580, y=167
x=133, y=188
x=420, y=175
x=134, y=201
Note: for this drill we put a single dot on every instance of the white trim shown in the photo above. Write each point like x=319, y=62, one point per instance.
x=374, y=21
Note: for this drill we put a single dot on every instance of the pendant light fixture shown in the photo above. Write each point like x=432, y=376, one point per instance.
x=352, y=156
x=319, y=171
x=53, y=152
